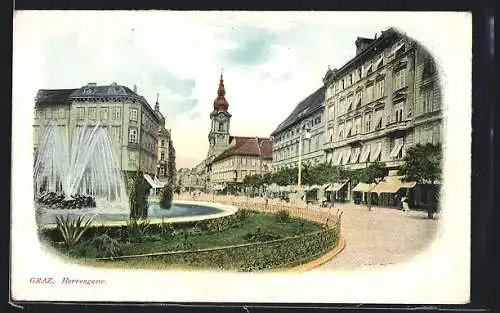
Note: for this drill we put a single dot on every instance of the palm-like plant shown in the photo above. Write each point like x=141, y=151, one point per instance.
x=72, y=230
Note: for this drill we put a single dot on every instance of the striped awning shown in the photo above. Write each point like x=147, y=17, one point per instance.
x=376, y=152
x=337, y=186
x=365, y=154
x=347, y=156
x=397, y=148
x=364, y=187
x=391, y=184
x=399, y=46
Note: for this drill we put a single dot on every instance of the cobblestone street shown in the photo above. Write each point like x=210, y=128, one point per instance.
x=381, y=237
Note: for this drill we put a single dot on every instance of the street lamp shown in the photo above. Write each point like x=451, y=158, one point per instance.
x=307, y=135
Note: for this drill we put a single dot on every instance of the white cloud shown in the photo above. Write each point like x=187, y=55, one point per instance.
x=163, y=52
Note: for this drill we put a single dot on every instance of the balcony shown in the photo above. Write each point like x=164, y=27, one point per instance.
x=394, y=163
x=397, y=126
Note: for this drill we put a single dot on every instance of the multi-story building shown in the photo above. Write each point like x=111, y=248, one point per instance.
x=230, y=158
x=308, y=115
x=132, y=123
x=245, y=156
x=164, y=143
x=381, y=102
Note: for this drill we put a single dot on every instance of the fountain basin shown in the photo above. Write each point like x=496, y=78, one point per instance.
x=181, y=211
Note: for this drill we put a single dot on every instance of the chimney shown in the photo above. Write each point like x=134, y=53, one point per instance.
x=135, y=88
x=362, y=43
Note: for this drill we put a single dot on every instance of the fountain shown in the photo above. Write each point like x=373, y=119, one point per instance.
x=85, y=165
x=86, y=170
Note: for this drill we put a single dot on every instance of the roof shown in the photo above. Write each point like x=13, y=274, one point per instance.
x=91, y=90
x=53, y=96
x=387, y=34
x=304, y=109
x=249, y=146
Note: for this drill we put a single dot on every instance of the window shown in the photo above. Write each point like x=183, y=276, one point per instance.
x=133, y=114
x=62, y=113
x=132, y=135
x=369, y=93
x=162, y=156
x=400, y=79
x=429, y=68
x=331, y=112
x=330, y=134
x=48, y=114
x=427, y=101
x=379, y=89
x=349, y=103
x=104, y=114
x=359, y=98
x=357, y=128
x=398, y=112
x=244, y=160
x=92, y=113
x=115, y=133
x=116, y=113
x=37, y=114
x=81, y=113
x=368, y=122
x=221, y=127
x=342, y=106
x=163, y=142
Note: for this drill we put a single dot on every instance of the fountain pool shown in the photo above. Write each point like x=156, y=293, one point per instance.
x=181, y=211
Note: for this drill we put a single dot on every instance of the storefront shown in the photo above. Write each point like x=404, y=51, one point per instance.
x=390, y=191
x=338, y=191
x=360, y=193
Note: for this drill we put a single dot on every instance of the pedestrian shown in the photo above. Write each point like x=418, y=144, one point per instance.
x=406, y=207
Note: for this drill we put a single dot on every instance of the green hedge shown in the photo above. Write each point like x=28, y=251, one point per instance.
x=255, y=256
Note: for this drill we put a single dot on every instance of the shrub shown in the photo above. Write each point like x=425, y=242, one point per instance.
x=138, y=228
x=261, y=236
x=242, y=214
x=53, y=200
x=72, y=230
x=107, y=246
x=166, y=197
x=283, y=216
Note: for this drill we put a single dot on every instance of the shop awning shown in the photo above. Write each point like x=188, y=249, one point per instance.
x=366, y=69
x=364, y=187
x=339, y=159
x=396, y=149
x=376, y=153
x=391, y=184
x=355, y=156
x=337, y=186
x=155, y=183
x=347, y=156
x=397, y=48
x=365, y=154
x=378, y=61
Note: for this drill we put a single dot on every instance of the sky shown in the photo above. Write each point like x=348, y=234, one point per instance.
x=270, y=60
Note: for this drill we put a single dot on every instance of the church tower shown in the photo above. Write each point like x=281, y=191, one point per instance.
x=218, y=138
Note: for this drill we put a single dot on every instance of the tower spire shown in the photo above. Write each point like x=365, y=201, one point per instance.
x=157, y=104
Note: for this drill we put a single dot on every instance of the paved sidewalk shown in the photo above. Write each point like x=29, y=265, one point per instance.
x=381, y=237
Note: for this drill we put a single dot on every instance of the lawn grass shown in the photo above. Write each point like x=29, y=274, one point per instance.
x=186, y=239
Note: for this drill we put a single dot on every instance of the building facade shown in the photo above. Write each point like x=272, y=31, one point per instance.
x=132, y=123
x=245, y=156
x=308, y=115
x=164, y=144
x=380, y=103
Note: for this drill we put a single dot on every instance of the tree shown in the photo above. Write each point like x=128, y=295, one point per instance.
x=138, y=191
x=166, y=196
x=171, y=162
x=423, y=165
